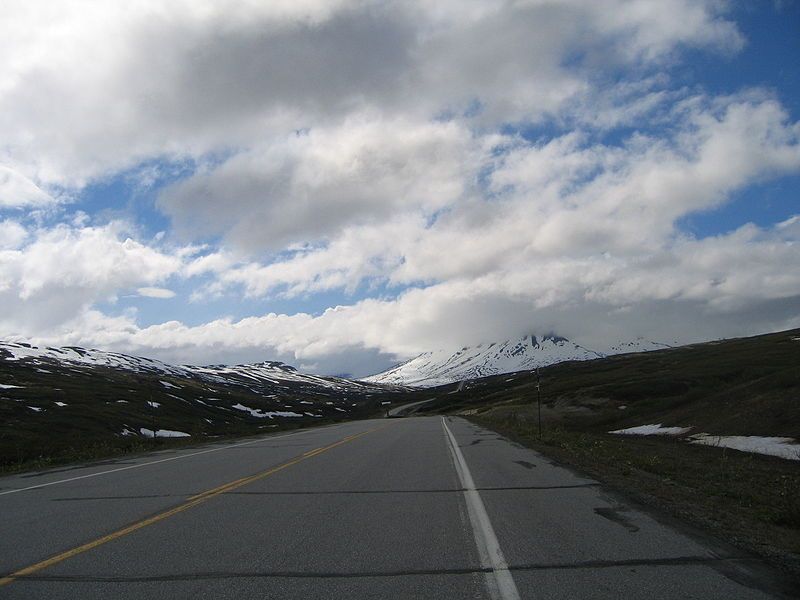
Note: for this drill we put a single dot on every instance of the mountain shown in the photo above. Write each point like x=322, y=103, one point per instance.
x=272, y=374
x=528, y=352
x=56, y=399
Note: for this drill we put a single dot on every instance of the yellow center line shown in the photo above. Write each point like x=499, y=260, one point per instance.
x=192, y=501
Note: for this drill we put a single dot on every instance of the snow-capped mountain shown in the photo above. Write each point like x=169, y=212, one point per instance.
x=528, y=352
x=445, y=366
x=270, y=373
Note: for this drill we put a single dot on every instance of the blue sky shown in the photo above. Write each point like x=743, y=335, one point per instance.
x=396, y=178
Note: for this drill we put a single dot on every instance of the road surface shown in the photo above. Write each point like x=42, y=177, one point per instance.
x=405, y=410
x=400, y=508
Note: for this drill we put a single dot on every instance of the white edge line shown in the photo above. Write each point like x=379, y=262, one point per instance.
x=147, y=464
x=499, y=581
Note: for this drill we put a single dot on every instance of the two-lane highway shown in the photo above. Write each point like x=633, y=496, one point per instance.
x=399, y=508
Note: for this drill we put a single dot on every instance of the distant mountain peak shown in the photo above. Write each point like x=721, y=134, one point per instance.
x=493, y=358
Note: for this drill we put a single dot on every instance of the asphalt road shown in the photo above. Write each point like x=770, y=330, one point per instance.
x=405, y=410
x=396, y=508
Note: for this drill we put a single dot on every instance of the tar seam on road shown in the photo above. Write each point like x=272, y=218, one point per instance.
x=191, y=502
x=499, y=581
x=530, y=488
x=154, y=462
x=591, y=564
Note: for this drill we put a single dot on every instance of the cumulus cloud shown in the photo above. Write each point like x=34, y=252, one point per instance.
x=63, y=270
x=17, y=191
x=543, y=203
x=314, y=183
x=191, y=78
x=155, y=292
x=12, y=234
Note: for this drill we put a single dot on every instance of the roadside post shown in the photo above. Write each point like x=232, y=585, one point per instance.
x=539, y=400
x=152, y=416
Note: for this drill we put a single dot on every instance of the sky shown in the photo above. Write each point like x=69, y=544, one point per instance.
x=343, y=184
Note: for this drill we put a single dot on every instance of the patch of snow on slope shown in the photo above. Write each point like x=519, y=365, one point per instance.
x=268, y=414
x=639, y=344
x=9, y=387
x=655, y=429
x=165, y=433
x=783, y=447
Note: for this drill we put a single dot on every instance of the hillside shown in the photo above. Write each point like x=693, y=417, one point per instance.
x=62, y=401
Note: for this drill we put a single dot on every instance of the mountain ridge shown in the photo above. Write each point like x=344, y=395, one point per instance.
x=441, y=367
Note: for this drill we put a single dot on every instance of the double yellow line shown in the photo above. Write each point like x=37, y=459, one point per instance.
x=191, y=502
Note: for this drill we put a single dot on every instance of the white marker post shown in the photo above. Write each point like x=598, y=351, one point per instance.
x=539, y=399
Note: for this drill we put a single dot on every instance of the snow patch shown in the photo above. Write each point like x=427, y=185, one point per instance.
x=153, y=404
x=783, y=447
x=165, y=433
x=655, y=429
x=5, y=386
x=169, y=385
x=61, y=403
x=255, y=412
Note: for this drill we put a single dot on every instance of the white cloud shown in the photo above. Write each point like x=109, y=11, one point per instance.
x=312, y=185
x=188, y=78
x=12, y=235
x=66, y=269
x=566, y=198
x=17, y=191
x=155, y=292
